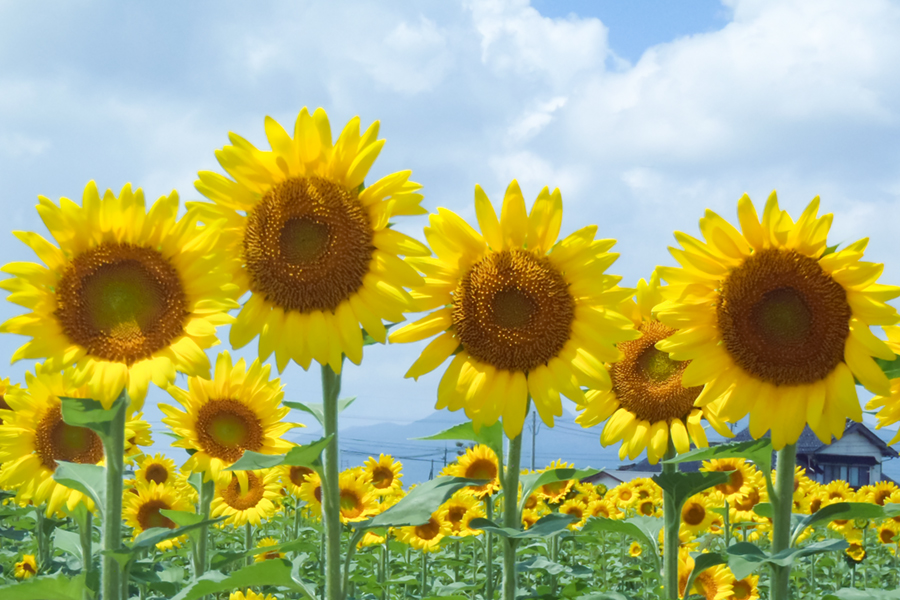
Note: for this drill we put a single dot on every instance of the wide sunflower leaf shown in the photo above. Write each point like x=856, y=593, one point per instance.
x=317, y=410
x=684, y=485
x=90, y=480
x=85, y=412
x=57, y=587
x=539, y=563
x=307, y=455
x=839, y=511
x=416, y=507
x=703, y=562
x=489, y=435
x=155, y=535
x=758, y=451
x=644, y=529
x=533, y=481
x=891, y=368
x=744, y=558
x=546, y=526
x=853, y=594
x=270, y=572
x=68, y=541
x=220, y=559
x=607, y=596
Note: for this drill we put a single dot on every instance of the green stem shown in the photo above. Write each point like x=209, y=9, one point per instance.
x=86, y=531
x=42, y=557
x=248, y=541
x=456, y=566
x=781, y=518
x=554, y=557
x=382, y=570
x=424, y=578
x=207, y=491
x=114, y=451
x=511, y=519
x=489, y=551
x=474, y=566
x=331, y=500
x=727, y=524
x=672, y=523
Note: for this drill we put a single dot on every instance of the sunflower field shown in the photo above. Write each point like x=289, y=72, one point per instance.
x=292, y=248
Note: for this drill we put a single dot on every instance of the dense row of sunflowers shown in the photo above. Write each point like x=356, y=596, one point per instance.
x=293, y=248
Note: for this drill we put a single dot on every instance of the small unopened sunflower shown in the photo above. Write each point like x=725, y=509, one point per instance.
x=855, y=553
x=310, y=243
x=141, y=508
x=523, y=314
x=260, y=500
x=647, y=404
x=479, y=462
x=249, y=594
x=777, y=325
x=238, y=409
x=33, y=437
x=385, y=474
x=426, y=537
x=26, y=568
x=128, y=296
x=269, y=554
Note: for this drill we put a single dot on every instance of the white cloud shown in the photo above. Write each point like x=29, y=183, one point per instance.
x=533, y=121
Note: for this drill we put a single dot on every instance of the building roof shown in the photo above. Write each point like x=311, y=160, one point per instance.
x=808, y=443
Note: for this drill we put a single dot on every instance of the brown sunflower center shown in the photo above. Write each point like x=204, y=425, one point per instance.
x=149, y=516
x=881, y=496
x=886, y=535
x=28, y=567
x=225, y=428
x=121, y=302
x=382, y=477
x=741, y=590
x=647, y=382
x=513, y=310
x=647, y=508
x=575, y=511
x=156, y=473
x=481, y=468
x=735, y=480
x=238, y=500
x=351, y=504
x=307, y=244
x=455, y=514
x=782, y=318
x=56, y=440
x=693, y=514
x=298, y=475
x=429, y=530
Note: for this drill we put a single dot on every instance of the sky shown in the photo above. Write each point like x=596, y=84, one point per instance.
x=643, y=113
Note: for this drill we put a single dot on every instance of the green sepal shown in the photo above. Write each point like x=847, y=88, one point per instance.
x=489, y=435
x=533, y=481
x=299, y=456
x=417, y=506
x=317, y=410
x=758, y=451
x=274, y=572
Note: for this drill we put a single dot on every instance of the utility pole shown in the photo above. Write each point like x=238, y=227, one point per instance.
x=445, y=455
x=431, y=473
x=533, y=435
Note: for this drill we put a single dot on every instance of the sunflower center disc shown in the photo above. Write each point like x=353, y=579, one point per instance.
x=156, y=473
x=647, y=382
x=382, y=478
x=455, y=514
x=307, y=244
x=149, y=516
x=121, y=302
x=513, y=310
x=298, y=475
x=56, y=440
x=429, y=530
x=783, y=319
x=235, y=499
x=694, y=515
x=741, y=590
x=481, y=469
x=225, y=428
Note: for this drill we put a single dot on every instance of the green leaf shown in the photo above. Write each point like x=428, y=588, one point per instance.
x=269, y=572
x=155, y=535
x=701, y=563
x=891, y=368
x=416, y=507
x=853, y=594
x=317, y=410
x=744, y=558
x=90, y=480
x=644, y=529
x=765, y=509
x=491, y=436
x=57, y=587
x=758, y=451
x=553, y=568
x=85, y=412
x=839, y=511
x=533, y=481
x=607, y=596
x=684, y=485
x=68, y=541
x=546, y=526
x=298, y=456
x=220, y=559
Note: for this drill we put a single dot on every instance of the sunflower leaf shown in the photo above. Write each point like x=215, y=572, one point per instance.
x=58, y=587
x=533, y=481
x=270, y=572
x=703, y=562
x=644, y=529
x=416, y=507
x=220, y=559
x=489, y=435
x=298, y=456
x=853, y=594
x=839, y=511
x=317, y=410
x=684, y=485
x=85, y=412
x=757, y=451
x=546, y=526
x=90, y=480
x=891, y=368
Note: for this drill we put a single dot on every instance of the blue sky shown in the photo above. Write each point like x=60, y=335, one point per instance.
x=643, y=113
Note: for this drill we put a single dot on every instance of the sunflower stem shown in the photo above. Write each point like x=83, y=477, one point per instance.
x=424, y=578
x=114, y=451
x=511, y=517
x=489, y=551
x=781, y=518
x=86, y=532
x=672, y=523
x=331, y=501
x=42, y=560
x=248, y=541
x=207, y=490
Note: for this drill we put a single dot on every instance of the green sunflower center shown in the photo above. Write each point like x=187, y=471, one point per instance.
x=513, y=310
x=741, y=590
x=782, y=318
x=149, y=516
x=657, y=366
x=121, y=302
x=226, y=428
x=303, y=240
x=382, y=477
x=351, y=504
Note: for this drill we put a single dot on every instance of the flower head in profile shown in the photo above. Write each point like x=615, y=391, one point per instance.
x=312, y=245
x=128, y=296
x=521, y=314
x=775, y=323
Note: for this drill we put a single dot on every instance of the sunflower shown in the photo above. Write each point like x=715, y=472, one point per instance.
x=697, y=514
x=712, y=584
x=524, y=315
x=260, y=500
x=313, y=247
x=740, y=480
x=426, y=537
x=605, y=508
x=138, y=434
x=33, y=437
x=576, y=509
x=269, y=554
x=744, y=589
x=385, y=474
x=293, y=477
x=311, y=493
x=647, y=404
x=454, y=513
x=27, y=568
x=775, y=323
x=5, y=388
x=479, y=462
x=142, y=505
x=855, y=553
x=127, y=297
x=371, y=539
x=635, y=550
x=555, y=492
x=741, y=506
x=888, y=532
x=156, y=469
x=357, y=497
x=238, y=409
x=249, y=594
